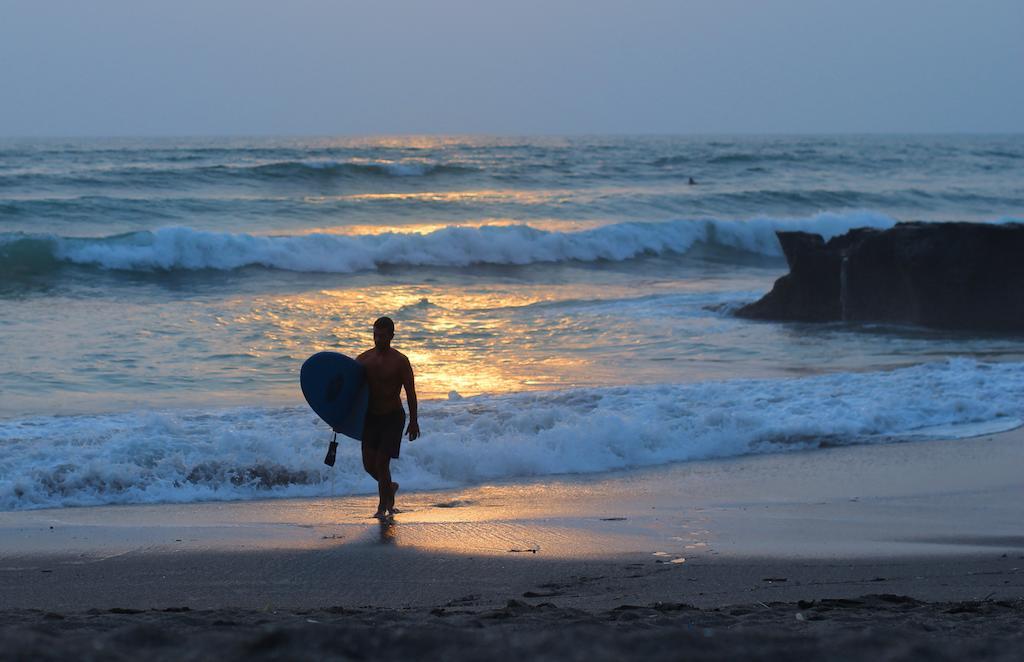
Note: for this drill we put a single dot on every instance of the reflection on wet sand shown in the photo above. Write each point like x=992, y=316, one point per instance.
x=524, y=520
x=388, y=532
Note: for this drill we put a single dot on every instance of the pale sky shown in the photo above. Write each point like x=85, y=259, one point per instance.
x=221, y=67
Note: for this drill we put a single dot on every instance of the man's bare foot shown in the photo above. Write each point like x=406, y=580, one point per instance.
x=393, y=511
x=380, y=514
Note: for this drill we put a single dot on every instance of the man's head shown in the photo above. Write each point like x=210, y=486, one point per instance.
x=383, y=332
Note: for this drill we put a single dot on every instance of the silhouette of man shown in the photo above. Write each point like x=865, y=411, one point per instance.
x=387, y=372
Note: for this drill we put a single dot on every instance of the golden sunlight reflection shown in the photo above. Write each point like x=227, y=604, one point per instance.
x=462, y=339
x=418, y=228
x=355, y=230
x=396, y=141
x=507, y=538
x=502, y=520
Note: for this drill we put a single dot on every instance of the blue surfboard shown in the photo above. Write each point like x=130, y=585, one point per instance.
x=335, y=387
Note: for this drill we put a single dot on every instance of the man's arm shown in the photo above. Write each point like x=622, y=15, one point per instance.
x=409, y=382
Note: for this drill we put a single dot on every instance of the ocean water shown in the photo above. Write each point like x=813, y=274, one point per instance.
x=566, y=303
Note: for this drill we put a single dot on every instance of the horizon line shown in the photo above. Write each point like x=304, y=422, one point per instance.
x=478, y=134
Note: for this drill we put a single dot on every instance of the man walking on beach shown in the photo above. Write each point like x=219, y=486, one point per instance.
x=387, y=372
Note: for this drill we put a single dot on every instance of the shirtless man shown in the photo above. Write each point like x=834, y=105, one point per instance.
x=387, y=371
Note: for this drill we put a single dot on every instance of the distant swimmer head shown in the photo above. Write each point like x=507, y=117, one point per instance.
x=383, y=332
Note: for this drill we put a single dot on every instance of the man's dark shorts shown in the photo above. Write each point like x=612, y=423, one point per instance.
x=383, y=432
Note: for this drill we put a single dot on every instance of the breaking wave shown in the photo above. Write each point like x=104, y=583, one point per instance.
x=230, y=454
x=182, y=248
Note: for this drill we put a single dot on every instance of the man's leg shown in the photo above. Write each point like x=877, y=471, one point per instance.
x=369, y=457
x=393, y=449
x=385, y=488
x=370, y=462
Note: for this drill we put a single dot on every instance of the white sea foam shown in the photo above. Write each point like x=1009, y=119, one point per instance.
x=454, y=246
x=189, y=456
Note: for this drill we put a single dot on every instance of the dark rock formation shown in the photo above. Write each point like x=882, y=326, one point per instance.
x=945, y=275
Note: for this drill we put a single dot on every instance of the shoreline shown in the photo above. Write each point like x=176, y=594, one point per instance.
x=944, y=506
x=909, y=550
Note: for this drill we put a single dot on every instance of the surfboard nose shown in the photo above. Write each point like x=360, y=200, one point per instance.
x=335, y=388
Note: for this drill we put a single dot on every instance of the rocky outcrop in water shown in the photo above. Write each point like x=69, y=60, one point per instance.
x=945, y=275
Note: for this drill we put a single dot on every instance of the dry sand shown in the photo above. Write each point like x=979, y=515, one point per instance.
x=710, y=559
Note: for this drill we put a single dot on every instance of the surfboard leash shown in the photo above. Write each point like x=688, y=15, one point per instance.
x=332, y=451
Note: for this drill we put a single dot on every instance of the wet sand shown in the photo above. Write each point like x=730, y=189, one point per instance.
x=638, y=563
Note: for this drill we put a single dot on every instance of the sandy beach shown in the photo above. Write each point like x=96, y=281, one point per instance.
x=908, y=549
